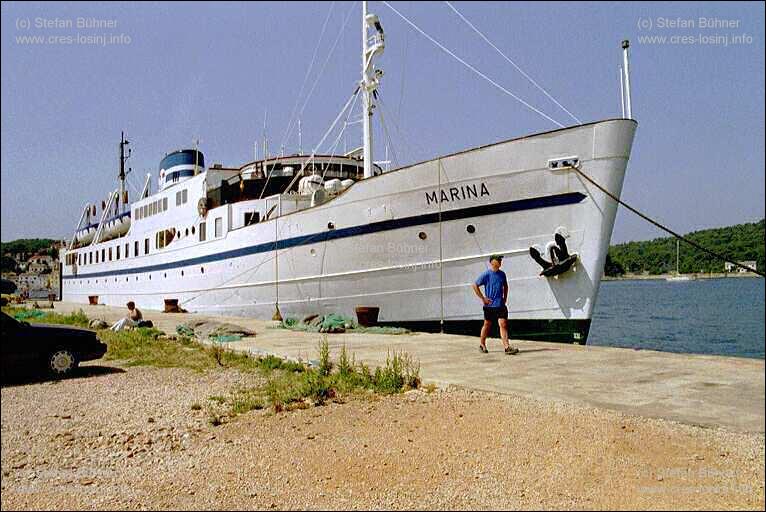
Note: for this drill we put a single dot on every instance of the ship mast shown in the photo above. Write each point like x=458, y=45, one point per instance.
x=371, y=47
x=123, y=142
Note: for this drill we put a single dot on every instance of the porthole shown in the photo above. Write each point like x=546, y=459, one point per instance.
x=150, y=277
x=422, y=235
x=126, y=279
x=182, y=273
x=330, y=225
x=136, y=278
x=202, y=270
x=471, y=228
x=165, y=275
x=187, y=232
x=313, y=252
x=192, y=230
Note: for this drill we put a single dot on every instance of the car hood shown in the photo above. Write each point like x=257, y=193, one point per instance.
x=61, y=328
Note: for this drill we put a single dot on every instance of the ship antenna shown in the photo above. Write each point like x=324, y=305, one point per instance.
x=371, y=47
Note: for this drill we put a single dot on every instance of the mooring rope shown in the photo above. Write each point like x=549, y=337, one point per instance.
x=665, y=228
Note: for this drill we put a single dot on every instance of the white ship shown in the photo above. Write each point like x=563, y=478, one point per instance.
x=306, y=234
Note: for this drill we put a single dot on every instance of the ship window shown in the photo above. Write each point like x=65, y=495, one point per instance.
x=135, y=248
x=110, y=254
x=96, y=256
x=154, y=208
x=127, y=247
x=103, y=255
x=218, y=226
x=202, y=231
x=192, y=230
x=164, y=203
x=146, y=246
x=118, y=252
x=178, y=198
x=184, y=195
x=186, y=233
x=252, y=218
x=91, y=258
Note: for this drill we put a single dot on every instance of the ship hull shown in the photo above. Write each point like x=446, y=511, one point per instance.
x=409, y=242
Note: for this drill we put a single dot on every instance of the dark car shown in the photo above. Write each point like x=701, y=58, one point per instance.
x=53, y=349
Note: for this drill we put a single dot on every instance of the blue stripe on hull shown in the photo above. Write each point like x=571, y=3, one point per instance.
x=365, y=229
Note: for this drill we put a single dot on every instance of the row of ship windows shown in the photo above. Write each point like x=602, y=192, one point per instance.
x=160, y=205
x=106, y=281
x=162, y=239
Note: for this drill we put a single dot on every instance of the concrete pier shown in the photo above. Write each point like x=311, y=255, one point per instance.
x=695, y=389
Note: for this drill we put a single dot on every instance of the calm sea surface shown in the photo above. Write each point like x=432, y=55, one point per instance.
x=707, y=316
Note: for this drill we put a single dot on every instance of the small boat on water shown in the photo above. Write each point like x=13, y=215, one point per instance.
x=678, y=277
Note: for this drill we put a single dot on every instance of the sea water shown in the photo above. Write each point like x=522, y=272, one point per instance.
x=705, y=316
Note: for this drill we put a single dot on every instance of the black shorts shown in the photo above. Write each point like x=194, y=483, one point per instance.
x=492, y=314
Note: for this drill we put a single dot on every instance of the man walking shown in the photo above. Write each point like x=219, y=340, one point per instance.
x=494, y=299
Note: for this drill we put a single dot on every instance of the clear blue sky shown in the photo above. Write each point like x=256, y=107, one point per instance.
x=211, y=70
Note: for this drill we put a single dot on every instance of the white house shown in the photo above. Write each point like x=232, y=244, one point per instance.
x=731, y=267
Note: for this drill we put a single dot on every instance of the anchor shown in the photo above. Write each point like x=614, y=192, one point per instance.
x=561, y=260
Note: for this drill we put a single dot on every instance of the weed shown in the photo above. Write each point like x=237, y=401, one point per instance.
x=345, y=366
x=325, y=365
x=217, y=352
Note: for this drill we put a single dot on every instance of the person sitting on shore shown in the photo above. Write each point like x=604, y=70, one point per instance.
x=132, y=320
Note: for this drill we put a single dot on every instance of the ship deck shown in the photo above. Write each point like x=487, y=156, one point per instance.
x=713, y=391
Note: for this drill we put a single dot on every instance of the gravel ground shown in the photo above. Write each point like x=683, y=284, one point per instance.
x=128, y=438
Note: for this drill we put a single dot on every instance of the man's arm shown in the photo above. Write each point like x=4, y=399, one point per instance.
x=478, y=293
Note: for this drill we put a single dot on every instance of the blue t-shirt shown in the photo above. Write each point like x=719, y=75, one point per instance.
x=493, y=283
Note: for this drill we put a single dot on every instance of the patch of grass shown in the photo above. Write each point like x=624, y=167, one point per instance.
x=285, y=390
x=140, y=347
x=288, y=384
x=246, y=400
x=77, y=318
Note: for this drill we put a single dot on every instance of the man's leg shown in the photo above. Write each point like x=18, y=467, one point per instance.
x=484, y=332
x=504, y=331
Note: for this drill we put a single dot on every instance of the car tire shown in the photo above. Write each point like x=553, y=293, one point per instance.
x=61, y=362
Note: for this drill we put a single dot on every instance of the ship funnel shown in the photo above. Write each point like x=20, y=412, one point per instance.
x=180, y=166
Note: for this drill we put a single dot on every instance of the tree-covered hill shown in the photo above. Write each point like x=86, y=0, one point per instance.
x=28, y=246
x=740, y=242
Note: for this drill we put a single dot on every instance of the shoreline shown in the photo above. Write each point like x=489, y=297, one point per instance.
x=693, y=276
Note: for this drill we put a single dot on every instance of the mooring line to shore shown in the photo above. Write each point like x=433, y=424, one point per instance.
x=663, y=227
